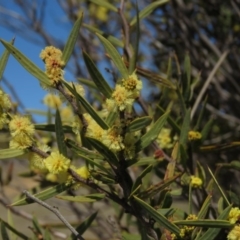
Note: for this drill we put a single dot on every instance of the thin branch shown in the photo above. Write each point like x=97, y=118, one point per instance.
x=56, y=212
x=28, y=216
x=125, y=31
x=208, y=81
x=73, y=103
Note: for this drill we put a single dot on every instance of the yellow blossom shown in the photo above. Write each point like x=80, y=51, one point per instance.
x=194, y=135
x=22, y=141
x=21, y=126
x=99, y=12
x=164, y=139
x=52, y=100
x=51, y=177
x=113, y=140
x=53, y=63
x=83, y=172
x=36, y=161
x=3, y=120
x=50, y=51
x=66, y=114
x=196, y=182
x=57, y=163
x=234, y=215
x=133, y=85
x=4, y=100
x=234, y=234
x=93, y=129
x=122, y=98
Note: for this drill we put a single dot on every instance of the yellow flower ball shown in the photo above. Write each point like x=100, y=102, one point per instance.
x=57, y=163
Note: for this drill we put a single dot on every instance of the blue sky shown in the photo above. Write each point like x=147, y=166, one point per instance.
x=26, y=86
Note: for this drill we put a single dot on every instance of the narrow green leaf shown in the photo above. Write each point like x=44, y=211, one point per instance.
x=4, y=232
x=142, y=161
x=184, y=136
x=102, y=177
x=211, y=233
x=110, y=156
x=115, y=56
x=51, y=128
x=219, y=188
x=115, y=41
x=26, y=63
x=166, y=211
x=4, y=59
x=159, y=218
x=81, y=151
x=139, y=124
x=169, y=68
x=36, y=226
x=185, y=128
x=11, y=153
x=207, y=128
x=97, y=164
x=138, y=181
x=186, y=78
x=205, y=223
x=112, y=116
x=154, y=189
x=153, y=133
x=85, y=224
x=60, y=134
x=147, y=11
x=97, y=76
x=105, y=4
x=134, y=58
x=69, y=46
x=89, y=108
x=44, y=195
x=16, y=232
x=47, y=235
x=201, y=214
x=83, y=199
x=203, y=211
x=201, y=114
x=89, y=83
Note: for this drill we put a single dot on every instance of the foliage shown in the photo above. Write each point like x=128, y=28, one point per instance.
x=136, y=155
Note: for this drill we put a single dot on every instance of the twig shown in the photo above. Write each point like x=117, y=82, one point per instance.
x=73, y=103
x=93, y=185
x=208, y=81
x=125, y=31
x=56, y=212
x=38, y=151
x=28, y=216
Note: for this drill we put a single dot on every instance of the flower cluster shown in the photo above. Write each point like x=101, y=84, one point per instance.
x=52, y=58
x=164, y=139
x=185, y=231
x=5, y=105
x=234, y=215
x=22, y=131
x=196, y=182
x=52, y=101
x=37, y=163
x=125, y=94
x=234, y=234
x=194, y=135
